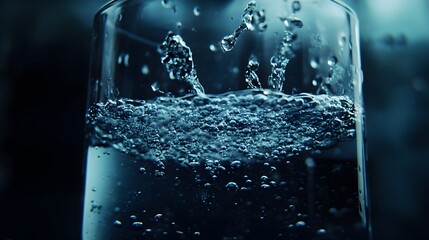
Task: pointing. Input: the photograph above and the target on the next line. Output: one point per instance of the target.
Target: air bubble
(264, 178)
(314, 83)
(117, 223)
(332, 60)
(235, 164)
(265, 186)
(179, 24)
(342, 40)
(158, 217)
(300, 224)
(232, 186)
(126, 60)
(314, 62)
(321, 231)
(168, 4)
(197, 11)
(137, 224)
(296, 6)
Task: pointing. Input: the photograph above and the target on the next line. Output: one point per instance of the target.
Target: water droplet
(145, 69)
(228, 43)
(232, 186)
(197, 11)
(332, 60)
(155, 86)
(213, 48)
(137, 224)
(321, 231)
(235, 164)
(314, 83)
(127, 60)
(296, 6)
(117, 223)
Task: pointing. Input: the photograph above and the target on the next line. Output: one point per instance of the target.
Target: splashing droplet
(145, 69)
(177, 59)
(251, 19)
(250, 73)
(213, 48)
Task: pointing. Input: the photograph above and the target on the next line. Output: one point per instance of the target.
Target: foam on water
(249, 125)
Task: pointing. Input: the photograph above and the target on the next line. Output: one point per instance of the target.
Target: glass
(225, 120)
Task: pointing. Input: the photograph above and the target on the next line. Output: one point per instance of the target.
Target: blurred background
(44, 66)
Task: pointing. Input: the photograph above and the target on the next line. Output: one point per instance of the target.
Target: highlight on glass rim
(225, 120)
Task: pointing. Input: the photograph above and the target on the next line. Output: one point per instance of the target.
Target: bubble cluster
(251, 124)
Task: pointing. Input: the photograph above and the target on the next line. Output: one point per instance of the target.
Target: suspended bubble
(117, 223)
(321, 231)
(292, 22)
(179, 24)
(169, 4)
(126, 60)
(300, 224)
(137, 224)
(145, 69)
(332, 60)
(314, 62)
(235, 164)
(158, 217)
(197, 11)
(296, 6)
(342, 40)
(232, 186)
(265, 186)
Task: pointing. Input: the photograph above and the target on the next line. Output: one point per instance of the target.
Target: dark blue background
(44, 65)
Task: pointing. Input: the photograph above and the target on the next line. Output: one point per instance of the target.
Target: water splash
(177, 59)
(250, 73)
(251, 19)
(284, 54)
